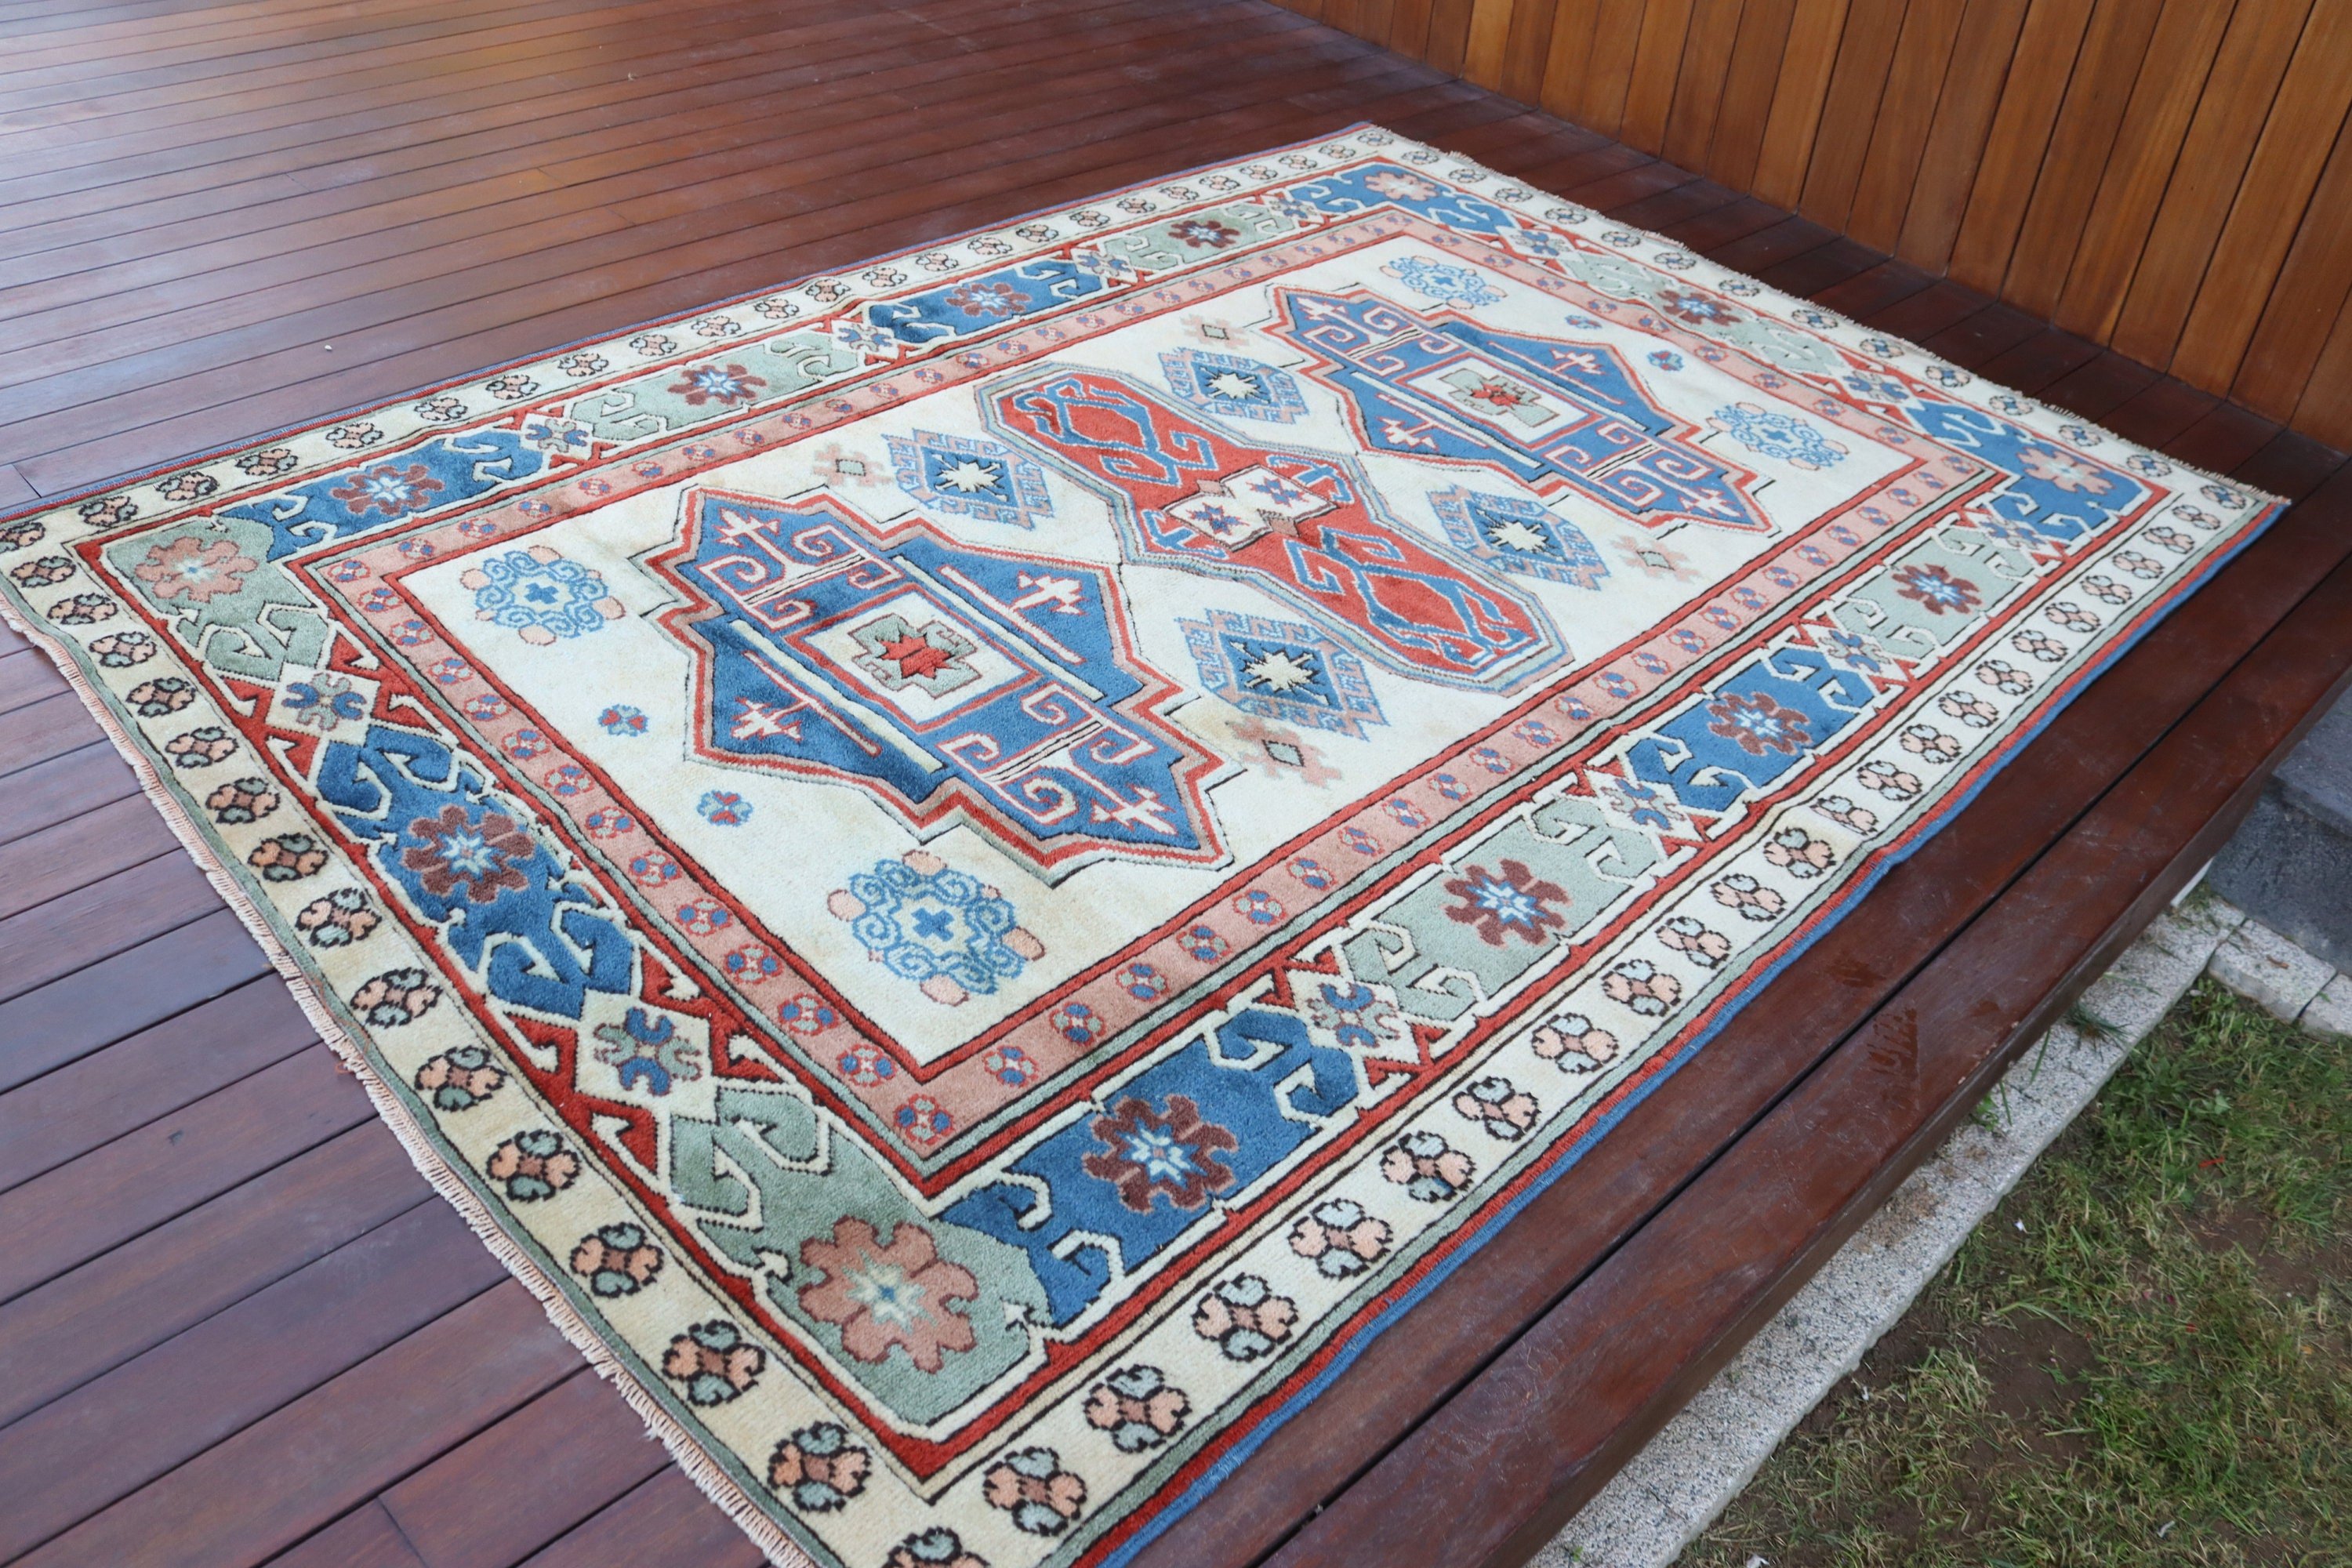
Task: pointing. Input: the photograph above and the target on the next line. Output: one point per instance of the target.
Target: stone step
(2290, 865)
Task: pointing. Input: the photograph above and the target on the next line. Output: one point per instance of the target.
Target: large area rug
(979, 870)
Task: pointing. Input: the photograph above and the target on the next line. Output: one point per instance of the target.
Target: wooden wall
(2171, 177)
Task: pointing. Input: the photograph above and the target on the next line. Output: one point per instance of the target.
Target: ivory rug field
(978, 869)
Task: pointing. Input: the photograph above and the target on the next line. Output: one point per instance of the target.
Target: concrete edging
(1692, 1470)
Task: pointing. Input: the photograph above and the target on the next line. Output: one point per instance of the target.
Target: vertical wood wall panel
(2139, 164)
(2213, 163)
(2326, 406)
(1567, 64)
(1915, 81)
(1806, 66)
(1982, 55)
(1616, 34)
(2171, 177)
(1865, 56)
(2313, 287)
(1749, 80)
(2020, 141)
(2273, 201)
(1657, 65)
(1698, 90)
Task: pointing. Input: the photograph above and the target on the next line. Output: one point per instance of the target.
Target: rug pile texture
(977, 870)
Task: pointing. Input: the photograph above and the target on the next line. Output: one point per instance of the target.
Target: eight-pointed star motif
(970, 476)
(1280, 669)
(1516, 533)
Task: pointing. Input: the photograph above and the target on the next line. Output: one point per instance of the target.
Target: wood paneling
(2169, 177)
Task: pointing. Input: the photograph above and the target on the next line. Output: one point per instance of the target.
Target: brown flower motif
(1145, 1152)
(121, 650)
(1137, 1408)
(245, 800)
(1937, 588)
(1031, 1484)
(1569, 1039)
(882, 1296)
(154, 698)
(458, 857)
(1427, 1166)
(1642, 986)
(267, 464)
(1699, 309)
(1204, 233)
(987, 299)
(338, 919)
(1845, 814)
(1757, 723)
(1799, 853)
(108, 511)
(396, 997)
(1889, 780)
(42, 571)
(818, 1467)
(938, 1547)
(1748, 897)
(725, 384)
(1687, 936)
(1517, 902)
(289, 857)
(196, 570)
(533, 1166)
(2064, 469)
(615, 1260)
(714, 1362)
(81, 609)
(388, 488)
(199, 747)
(459, 1078)
(1243, 1318)
(1926, 740)
(1969, 709)
(1499, 1106)
(1339, 1237)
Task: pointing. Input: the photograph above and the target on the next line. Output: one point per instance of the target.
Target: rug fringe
(705, 1472)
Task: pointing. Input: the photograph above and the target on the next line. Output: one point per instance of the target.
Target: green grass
(2142, 1358)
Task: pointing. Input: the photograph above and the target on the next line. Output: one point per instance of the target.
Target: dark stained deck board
(1799, 1183)
(197, 196)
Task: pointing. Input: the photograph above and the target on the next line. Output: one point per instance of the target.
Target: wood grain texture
(2171, 178)
(1806, 64)
(1748, 88)
(2213, 157)
(1983, 51)
(2304, 164)
(2019, 140)
(269, 1339)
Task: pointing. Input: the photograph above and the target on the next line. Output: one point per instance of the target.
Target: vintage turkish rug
(978, 868)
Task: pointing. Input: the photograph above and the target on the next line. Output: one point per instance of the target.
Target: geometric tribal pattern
(977, 869)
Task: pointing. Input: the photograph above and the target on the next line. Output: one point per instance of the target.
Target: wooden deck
(235, 1326)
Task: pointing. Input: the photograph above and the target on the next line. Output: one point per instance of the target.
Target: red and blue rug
(978, 869)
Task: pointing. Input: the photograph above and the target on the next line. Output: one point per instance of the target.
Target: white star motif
(1513, 534)
(1233, 384)
(1279, 669)
(969, 475)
